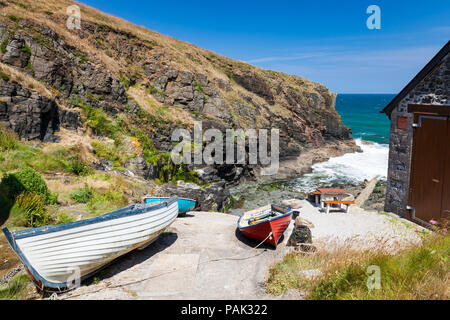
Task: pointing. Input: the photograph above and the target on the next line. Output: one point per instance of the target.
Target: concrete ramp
(365, 194)
(201, 256)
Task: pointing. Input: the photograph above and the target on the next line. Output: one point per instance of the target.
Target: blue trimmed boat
(58, 256)
(266, 224)
(184, 205)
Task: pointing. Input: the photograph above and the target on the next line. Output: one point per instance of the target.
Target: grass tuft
(420, 272)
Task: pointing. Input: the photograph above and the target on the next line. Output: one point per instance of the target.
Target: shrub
(30, 211)
(3, 46)
(26, 180)
(52, 197)
(99, 122)
(4, 76)
(78, 167)
(82, 195)
(106, 151)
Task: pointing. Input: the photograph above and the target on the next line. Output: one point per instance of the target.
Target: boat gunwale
(265, 221)
(10, 236)
(169, 198)
(117, 214)
(195, 201)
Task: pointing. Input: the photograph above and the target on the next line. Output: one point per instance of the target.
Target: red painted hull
(260, 231)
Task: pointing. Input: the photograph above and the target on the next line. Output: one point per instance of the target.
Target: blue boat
(184, 205)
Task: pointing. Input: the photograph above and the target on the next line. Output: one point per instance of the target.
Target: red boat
(266, 224)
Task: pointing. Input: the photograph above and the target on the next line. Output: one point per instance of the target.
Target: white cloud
(289, 58)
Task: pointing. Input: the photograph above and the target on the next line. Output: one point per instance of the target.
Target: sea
(361, 113)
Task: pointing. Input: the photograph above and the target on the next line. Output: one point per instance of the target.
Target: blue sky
(325, 41)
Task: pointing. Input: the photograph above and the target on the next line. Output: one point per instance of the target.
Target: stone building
(419, 151)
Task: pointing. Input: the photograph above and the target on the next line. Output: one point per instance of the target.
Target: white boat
(57, 256)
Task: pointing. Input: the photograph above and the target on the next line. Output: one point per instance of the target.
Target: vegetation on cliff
(108, 97)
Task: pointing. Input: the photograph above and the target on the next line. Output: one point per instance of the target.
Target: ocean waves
(349, 169)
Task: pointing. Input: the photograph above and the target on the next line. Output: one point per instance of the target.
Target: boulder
(213, 198)
(17, 53)
(292, 203)
(208, 174)
(299, 221)
(103, 165)
(27, 113)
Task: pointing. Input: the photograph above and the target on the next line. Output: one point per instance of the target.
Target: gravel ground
(360, 229)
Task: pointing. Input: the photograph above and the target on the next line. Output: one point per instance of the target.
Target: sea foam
(350, 168)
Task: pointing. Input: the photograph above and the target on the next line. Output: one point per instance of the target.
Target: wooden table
(346, 203)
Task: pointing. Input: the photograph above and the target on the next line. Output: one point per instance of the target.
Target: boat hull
(269, 231)
(184, 205)
(58, 256)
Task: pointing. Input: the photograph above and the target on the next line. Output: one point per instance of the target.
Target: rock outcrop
(28, 114)
(213, 198)
(155, 84)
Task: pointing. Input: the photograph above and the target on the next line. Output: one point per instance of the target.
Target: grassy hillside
(88, 109)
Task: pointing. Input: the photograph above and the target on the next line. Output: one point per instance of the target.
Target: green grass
(4, 76)
(198, 86)
(103, 202)
(83, 58)
(16, 288)
(63, 218)
(77, 167)
(13, 18)
(421, 272)
(113, 152)
(82, 195)
(18, 156)
(8, 139)
(29, 211)
(100, 122)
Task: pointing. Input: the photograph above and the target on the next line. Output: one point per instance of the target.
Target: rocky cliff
(112, 74)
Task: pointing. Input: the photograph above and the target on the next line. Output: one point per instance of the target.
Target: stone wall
(433, 89)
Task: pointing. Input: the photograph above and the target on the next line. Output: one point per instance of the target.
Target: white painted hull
(59, 256)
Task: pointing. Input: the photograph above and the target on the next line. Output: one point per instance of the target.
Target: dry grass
(418, 272)
(25, 80)
(182, 54)
(157, 109)
(176, 54)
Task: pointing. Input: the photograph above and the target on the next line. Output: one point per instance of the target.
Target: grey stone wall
(434, 89)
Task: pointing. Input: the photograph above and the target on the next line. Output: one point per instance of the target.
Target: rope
(169, 272)
(235, 258)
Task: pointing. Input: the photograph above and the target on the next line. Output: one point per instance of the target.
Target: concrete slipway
(203, 256)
